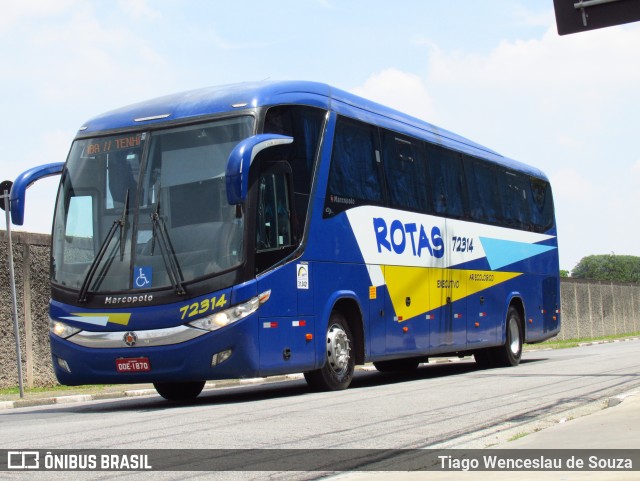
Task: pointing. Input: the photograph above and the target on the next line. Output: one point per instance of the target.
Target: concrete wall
(593, 308)
(589, 309)
(31, 269)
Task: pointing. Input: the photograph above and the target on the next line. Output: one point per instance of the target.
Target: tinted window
(514, 199)
(541, 204)
(484, 191)
(405, 170)
(446, 181)
(305, 125)
(354, 178)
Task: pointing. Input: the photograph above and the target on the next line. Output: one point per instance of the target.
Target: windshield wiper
(93, 268)
(166, 250)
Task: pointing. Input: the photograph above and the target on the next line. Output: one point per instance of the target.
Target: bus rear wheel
(337, 372)
(510, 353)
(179, 391)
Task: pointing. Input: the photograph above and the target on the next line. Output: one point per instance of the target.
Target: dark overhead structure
(574, 16)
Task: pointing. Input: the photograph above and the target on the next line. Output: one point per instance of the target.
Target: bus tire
(337, 372)
(484, 358)
(510, 353)
(179, 391)
(396, 365)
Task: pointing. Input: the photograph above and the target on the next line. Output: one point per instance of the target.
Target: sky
(494, 71)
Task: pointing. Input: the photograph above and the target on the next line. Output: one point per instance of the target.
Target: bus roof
(209, 101)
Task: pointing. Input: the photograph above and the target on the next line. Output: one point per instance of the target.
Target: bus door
(448, 325)
(286, 320)
(446, 286)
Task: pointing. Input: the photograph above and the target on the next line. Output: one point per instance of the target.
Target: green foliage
(564, 273)
(609, 267)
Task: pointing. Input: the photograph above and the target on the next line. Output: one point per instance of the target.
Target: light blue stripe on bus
(502, 252)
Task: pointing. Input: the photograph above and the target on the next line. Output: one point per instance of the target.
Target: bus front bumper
(178, 354)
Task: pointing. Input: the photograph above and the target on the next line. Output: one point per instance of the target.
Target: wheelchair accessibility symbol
(142, 277)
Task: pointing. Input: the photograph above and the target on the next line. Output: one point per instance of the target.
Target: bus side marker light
(220, 357)
(63, 364)
(555, 318)
(477, 324)
(530, 321)
(405, 329)
(309, 337)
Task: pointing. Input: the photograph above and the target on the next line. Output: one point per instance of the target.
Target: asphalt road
(439, 405)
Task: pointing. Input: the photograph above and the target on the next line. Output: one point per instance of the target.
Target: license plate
(136, 364)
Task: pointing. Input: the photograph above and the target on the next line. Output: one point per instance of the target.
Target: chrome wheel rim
(514, 335)
(338, 349)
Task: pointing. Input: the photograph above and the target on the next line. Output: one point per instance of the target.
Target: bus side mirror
(22, 183)
(239, 163)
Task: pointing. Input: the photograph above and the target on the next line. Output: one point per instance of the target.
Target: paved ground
(616, 427)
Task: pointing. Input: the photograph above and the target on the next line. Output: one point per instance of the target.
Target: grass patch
(517, 436)
(560, 344)
(57, 387)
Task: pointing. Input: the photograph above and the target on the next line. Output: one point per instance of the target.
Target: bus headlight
(231, 315)
(61, 329)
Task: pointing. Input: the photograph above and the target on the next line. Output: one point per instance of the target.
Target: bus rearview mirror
(22, 183)
(240, 160)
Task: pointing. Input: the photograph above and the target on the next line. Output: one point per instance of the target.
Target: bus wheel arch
(343, 349)
(350, 309)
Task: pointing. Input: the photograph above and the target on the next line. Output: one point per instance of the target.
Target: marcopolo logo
(399, 237)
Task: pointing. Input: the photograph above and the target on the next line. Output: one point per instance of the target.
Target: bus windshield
(148, 210)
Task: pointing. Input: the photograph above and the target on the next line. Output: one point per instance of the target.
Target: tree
(608, 267)
(564, 273)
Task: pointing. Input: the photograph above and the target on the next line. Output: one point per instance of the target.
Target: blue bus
(267, 228)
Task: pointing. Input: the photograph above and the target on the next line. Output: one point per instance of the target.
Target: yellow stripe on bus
(417, 290)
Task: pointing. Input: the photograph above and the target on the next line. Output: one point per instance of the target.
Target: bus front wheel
(337, 372)
(179, 391)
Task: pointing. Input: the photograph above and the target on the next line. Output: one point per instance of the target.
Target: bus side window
(515, 203)
(355, 173)
(484, 197)
(405, 169)
(305, 125)
(273, 230)
(446, 181)
(541, 205)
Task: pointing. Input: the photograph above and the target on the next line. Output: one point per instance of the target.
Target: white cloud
(87, 54)
(400, 90)
(15, 11)
(139, 9)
